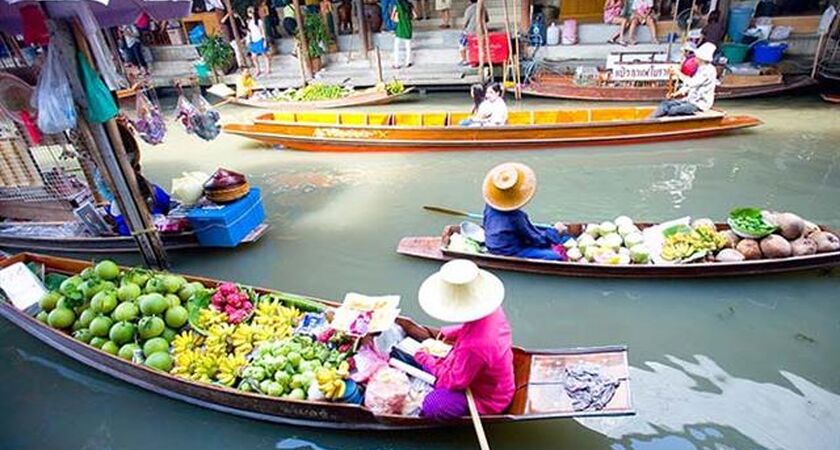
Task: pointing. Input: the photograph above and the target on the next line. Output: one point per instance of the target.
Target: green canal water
(716, 364)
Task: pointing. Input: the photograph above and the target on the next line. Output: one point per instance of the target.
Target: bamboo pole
(480, 30)
(243, 62)
(674, 26)
(476, 421)
(379, 77)
(517, 62)
(303, 52)
(507, 32)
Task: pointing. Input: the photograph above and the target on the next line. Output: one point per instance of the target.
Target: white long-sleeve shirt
(700, 88)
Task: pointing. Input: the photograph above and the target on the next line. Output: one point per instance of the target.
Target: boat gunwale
(365, 418)
(358, 99)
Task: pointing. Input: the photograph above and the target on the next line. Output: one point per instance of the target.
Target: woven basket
(228, 195)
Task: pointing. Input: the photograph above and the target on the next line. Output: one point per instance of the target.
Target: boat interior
(453, 119)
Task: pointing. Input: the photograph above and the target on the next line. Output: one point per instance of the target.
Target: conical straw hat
(461, 292)
(509, 186)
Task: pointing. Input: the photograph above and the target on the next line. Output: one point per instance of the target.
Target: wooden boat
(831, 98)
(732, 87)
(538, 395)
(51, 237)
(361, 98)
(436, 131)
(435, 247)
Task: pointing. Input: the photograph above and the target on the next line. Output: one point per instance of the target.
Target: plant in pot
(217, 54)
(317, 38)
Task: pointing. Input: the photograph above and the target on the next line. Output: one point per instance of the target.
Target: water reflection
(700, 405)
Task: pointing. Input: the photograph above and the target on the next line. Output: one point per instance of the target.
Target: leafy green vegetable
(195, 304)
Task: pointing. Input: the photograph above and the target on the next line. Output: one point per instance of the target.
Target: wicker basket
(228, 195)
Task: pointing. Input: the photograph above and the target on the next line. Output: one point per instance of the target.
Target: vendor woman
(481, 359)
(508, 231)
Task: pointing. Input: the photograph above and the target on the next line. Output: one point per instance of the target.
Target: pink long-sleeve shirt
(481, 360)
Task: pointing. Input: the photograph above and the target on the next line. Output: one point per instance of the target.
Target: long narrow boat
(733, 87)
(831, 98)
(539, 394)
(361, 98)
(437, 131)
(57, 237)
(435, 248)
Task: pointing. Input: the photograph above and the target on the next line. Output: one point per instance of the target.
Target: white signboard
(641, 72)
(22, 287)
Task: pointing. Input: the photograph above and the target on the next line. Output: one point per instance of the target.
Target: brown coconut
(729, 255)
(790, 225)
(826, 242)
(804, 246)
(749, 248)
(775, 246)
(810, 227)
(732, 239)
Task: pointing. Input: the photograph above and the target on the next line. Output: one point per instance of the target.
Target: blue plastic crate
(226, 225)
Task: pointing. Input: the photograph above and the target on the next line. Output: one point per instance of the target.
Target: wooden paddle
(476, 420)
(455, 212)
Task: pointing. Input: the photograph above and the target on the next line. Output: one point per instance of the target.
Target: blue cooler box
(226, 225)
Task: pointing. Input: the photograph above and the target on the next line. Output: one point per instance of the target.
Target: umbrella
(109, 13)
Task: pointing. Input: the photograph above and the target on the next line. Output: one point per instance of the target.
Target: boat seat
(318, 117)
(520, 118)
(408, 119)
(456, 118)
(284, 116)
(379, 119)
(435, 119)
(353, 118)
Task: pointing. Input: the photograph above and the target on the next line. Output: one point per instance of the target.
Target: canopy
(109, 13)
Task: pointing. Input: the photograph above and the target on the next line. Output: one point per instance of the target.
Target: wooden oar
(459, 213)
(476, 420)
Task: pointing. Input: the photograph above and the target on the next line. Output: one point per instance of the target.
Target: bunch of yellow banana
(330, 383)
(208, 317)
(273, 321)
(229, 368)
(685, 244)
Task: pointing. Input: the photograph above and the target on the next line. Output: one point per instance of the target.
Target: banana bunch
(683, 245)
(273, 321)
(395, 87)
(208, 317)
(331, 380)
(230, 368)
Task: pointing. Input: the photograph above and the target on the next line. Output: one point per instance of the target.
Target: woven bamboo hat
(509, 186)
(14, 96)
(461, 292)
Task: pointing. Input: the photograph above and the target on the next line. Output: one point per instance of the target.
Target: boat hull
(563, 88)
(432, 247)
(311, 413)
(336, 137)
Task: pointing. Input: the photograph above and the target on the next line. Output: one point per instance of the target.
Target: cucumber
(302, 303)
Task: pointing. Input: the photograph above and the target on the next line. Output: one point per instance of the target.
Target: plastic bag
(101, 105)
(149, 124)
(388, 339)
(387, 391)
(52, 97)
(189, 188)
(199, 117)
(367, 362)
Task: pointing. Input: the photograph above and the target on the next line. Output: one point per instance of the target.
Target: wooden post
(517, 69)
(674, 26)
(364, 32)
(127, 193)
(379, 77)
(236, 39)
(301, 66)
(479, 35)
(476, 421)
(525, 14)
(303, 52)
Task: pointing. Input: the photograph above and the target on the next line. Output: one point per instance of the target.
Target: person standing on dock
(698, 89)
(402, 15)
(470, 23)
(508, 231)
(481, 359)
(256, 39)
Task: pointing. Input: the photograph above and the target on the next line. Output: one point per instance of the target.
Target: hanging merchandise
(99, 49)
(198, 116)
(149, 124)
(34, 25)
(101, 105)
(52, 98)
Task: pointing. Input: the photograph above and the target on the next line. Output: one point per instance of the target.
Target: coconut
(623, 220)
(640, 254)
(775, 246)
(570, 243)
(791, 226)
(634, 239)
(586, 240)
(574, 254)
(810, 227)
(732, 238)
(749, 248)
(625, 229)
(729, 255)
(826, 242)
(704, 222)
(612, 240)
(804, 246)
(607, 227)
(592, 230)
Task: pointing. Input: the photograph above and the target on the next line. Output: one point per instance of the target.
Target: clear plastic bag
(150, 125)
(387, 391)
(52, 97)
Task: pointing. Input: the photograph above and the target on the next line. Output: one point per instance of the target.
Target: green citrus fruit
(107, 270)
(160, 361)
(43, 316)
(126, 312)
(154, 345)
(98, 342)
(128, 292)
(87, 317)
(83, 335)
(49, 300)
(169, 334)
(121, 332)
(127, 351)
(176, 317)
(152, 304)
(150, 327)
(100, 326)
(61, 318)
(111, 347)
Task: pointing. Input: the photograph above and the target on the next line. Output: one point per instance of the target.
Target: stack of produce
(685, 243)
(133, 314)
(314, 92)
(395, 87)
(226, 186)
(757, 234)
(618, 242)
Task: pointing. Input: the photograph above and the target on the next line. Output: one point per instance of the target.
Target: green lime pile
(134, 314)
(287, 368)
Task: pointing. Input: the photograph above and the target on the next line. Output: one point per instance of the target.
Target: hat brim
(461, 303)
(515, 197)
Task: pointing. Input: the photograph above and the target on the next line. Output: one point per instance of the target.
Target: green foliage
(316, 34)
(216, 53)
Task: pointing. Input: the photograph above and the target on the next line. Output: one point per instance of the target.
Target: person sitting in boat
(477, 95)
(508, 231)
(481, 359)
(245, 83)
(698, 90)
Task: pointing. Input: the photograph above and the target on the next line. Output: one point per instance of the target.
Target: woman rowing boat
(481, 359)
(508, 231)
